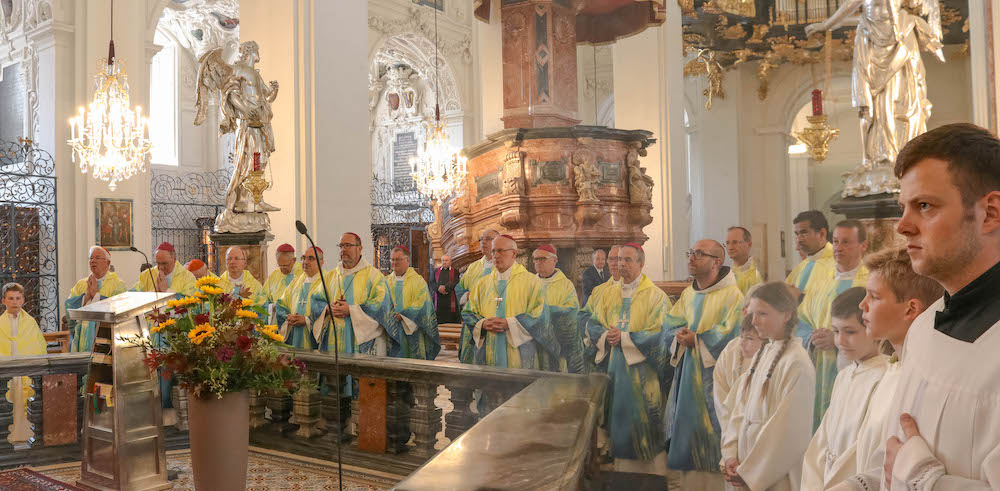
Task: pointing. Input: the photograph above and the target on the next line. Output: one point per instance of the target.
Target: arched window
(163, 131)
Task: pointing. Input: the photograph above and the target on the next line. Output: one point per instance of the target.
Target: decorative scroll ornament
(110, 138)
(817, 136)
(256, 184)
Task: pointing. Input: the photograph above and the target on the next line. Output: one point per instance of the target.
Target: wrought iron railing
(178, 201)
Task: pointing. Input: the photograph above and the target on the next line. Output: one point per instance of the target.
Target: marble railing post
(34, 408)
(397, 418)
(281, 410)
(425, 419)
(178, 397)
(6, 416)
(330, 399)
(258, 408)
(461, 418)
(306, 407)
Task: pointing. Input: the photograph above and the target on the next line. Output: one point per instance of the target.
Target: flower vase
(220, 441)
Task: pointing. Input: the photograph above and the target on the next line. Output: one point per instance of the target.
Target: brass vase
(220, 441)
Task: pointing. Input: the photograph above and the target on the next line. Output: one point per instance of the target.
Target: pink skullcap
(354, 235)
(316, 248)
(403, 248)
(507, 236)
(166, 246)
(547, 248)
(634, 245)
(286, 248)
(194, 265)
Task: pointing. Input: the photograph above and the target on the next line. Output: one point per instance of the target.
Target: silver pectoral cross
(498, 300)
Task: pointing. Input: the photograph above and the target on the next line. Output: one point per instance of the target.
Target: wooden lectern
(123, 446)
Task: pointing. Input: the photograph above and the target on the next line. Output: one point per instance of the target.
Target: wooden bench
(450, 335)
(673, 289)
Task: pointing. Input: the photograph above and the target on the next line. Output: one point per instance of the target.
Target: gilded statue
(586, 174)
(889, 81)
(245, 107)
(640, 185)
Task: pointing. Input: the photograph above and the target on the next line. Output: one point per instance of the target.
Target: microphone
(150, 270)
(301, 227)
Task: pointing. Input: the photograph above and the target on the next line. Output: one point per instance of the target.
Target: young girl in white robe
(831, 455)
(771, 422)
(733, 362)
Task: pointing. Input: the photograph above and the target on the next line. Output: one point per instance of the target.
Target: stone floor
(267, 470)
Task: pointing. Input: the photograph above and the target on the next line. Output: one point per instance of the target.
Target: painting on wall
(114, 223)
(438, 4)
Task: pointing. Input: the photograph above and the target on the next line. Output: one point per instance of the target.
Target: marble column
(649, 93)
(984, 43)
(539, 64)
(321, 164)
(487, 46)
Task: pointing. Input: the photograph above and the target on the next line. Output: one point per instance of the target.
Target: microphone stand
(301, 227)
(150, 269)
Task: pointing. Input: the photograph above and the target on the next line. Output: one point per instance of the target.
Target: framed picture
(114, 223)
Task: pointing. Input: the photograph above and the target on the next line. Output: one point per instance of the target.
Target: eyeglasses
(308, 258)
(700, 255)
(344, 246)
(540, 259)
(498, 251)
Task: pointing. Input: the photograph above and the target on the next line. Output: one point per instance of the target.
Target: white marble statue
(245, 104)
(889, 82)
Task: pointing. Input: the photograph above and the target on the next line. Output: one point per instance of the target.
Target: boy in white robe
(19, 336)
(830, 457)
(771, 422)
(895, 296)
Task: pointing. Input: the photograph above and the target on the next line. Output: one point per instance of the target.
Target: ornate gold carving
(759, 31)
(745, 8)
(640, 185)
(706, 63)
(764, 73)
(734, 32)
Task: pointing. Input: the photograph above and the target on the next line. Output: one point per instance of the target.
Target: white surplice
(870, 449)
(769, 432)
(728, 368)
(952, 390)
(832, 454)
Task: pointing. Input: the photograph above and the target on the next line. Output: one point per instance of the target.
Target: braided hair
(780, 297)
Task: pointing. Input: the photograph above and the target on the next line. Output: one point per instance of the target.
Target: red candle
(817, 102)
(256, 157)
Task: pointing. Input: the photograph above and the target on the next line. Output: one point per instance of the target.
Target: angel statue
(245, 107)
(889, 81)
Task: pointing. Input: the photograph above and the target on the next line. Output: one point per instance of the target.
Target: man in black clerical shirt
(596, 274)
(942, 419)
(442, 285)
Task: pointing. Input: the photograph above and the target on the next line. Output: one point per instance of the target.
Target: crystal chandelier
(439, 171)
(109, 137)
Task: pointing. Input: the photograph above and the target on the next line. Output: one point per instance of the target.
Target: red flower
(225, 354)
(201, 319)
(225, 298)
(244, 343)
(300, 365)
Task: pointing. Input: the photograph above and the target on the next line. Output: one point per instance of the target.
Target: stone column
(984, 41)
(648, 82)
(321, 164)
(539, 64)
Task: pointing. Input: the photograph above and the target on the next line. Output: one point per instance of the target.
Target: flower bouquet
(216, 347)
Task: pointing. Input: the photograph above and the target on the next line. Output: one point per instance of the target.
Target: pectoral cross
(498, 300)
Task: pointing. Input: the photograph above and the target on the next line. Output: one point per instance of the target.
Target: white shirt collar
(487, 264)
(629, 288)
(846, 275)
(309, 279)
(14, 318)
(398, 277)
(550, 278)
(237, 279)
(362, 263)
(746, 266)
(506, 274)
(814, 257)
(102, 277)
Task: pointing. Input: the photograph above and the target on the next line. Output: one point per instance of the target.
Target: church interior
(554, 231)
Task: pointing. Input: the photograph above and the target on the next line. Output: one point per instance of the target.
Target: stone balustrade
(390, 409)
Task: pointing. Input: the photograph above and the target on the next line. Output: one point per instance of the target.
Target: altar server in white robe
(771, 422)
(895, 296)
(733, 362)
(944, 419)
(830, 457)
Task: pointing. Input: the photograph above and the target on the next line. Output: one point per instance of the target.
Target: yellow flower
(275, 336)
(246, 313)
(271, 327)
(200, 296)
(207, 280)
(200, 332)
(246, 302)
(191, 300)
(173, 303)
(201, 337)
(162, 325)
(211, 290)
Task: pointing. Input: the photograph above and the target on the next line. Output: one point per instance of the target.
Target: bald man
(236, 280)
(700, 325)
(477, 270)
(167, 276)
(100, 284)
(198, 268)
(504, 313)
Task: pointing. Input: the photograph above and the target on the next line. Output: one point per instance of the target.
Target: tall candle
(817, 102)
